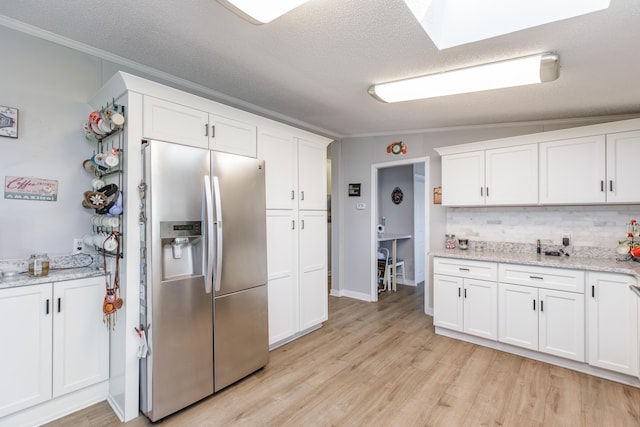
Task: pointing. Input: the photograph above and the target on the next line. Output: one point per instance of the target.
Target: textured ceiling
(314, 65)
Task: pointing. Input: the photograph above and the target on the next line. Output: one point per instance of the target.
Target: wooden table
(393, 238)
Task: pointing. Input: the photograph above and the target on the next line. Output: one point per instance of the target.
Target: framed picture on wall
(354, 190)
(8, 121)
(437, 195)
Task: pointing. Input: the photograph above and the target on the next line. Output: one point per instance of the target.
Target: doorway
(388, 180)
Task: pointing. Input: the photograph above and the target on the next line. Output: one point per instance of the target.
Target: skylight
(456, 22)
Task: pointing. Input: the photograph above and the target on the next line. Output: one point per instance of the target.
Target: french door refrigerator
(204, 293)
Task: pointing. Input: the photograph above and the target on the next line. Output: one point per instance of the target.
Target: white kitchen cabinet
(312, 175)
(501, 176)
(81, 339)
(462, 301)
(168, 121)
(26, 336)
(54, 341)
(612, 311)
(171, 122)
(282, 267)
(542, 309)
(232, 136)
(623, 154)
(296, 231)
(279, 150)
(313, 286)
(573, 171)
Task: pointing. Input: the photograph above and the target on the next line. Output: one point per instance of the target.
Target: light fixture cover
(261, 11)
(522, 71)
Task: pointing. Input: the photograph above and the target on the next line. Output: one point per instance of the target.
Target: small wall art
(354, 190)
(29, 188)
(8, 121)
(437, 195)
(397, 148)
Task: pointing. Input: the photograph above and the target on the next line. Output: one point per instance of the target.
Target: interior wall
(50, 85)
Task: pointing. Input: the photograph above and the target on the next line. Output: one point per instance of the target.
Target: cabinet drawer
(542, 277)
(466, 268)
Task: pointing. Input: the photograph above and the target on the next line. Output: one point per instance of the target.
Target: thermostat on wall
(360, 206)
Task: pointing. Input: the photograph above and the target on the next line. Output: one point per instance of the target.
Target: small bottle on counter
(450, 241)
(38, 265)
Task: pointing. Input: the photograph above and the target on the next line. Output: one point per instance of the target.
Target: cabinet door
(280, 154)
(447, 302)
(312, 175)
(463, 179)
(561, 324)
(167, 121)
(512, 175)
(81, 339)
(232, 136)
(613, 323)
(623, 154)
(573, 171)
(282, 256)
(313, 268)
(481, 308)
(25, 334)
(518, 315)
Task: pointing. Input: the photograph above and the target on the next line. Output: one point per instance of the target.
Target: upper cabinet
(296, 171)
(172, 122)
(573, 171)
(587, 165)
(623, 155)
(501, 176)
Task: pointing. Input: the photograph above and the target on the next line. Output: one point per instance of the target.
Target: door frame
(375, 167)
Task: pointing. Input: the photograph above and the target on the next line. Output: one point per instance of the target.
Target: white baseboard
(294, 337)
(356, 295)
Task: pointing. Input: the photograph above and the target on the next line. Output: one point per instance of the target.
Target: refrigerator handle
(207, 206)
(218, 223)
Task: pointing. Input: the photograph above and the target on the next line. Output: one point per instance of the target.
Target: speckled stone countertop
(13, 272)
(575, 262)
(23, 279)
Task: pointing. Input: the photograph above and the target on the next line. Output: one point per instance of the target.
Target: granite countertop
(23, 279)
(609, 265)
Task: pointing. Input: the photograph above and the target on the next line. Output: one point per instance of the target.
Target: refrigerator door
(179, 370)
(239, 197)
(241, 335)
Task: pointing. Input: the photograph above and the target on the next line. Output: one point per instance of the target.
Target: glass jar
(450, 241)
(38, 265)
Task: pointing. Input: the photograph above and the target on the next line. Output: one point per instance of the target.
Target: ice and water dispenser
(182, 249)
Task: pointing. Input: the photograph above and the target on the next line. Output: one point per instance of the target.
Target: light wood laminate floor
(382, 365)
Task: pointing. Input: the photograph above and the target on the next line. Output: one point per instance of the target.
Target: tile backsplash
(590, 226)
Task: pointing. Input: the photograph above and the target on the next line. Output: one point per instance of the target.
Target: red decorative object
(397, 148)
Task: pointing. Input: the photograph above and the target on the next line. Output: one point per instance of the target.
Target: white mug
(110, 244)
(96, 184)
(111, 158)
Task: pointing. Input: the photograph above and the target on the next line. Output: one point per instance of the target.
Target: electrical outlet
(78, 246)
(566, 239)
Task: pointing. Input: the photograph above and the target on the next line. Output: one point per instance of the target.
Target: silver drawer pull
(536, 277)
(463, 269)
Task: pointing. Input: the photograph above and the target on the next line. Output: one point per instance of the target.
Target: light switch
(360, 206)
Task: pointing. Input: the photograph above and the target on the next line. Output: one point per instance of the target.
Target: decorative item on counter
(450, 241)
(397, 148)
(463, 244)
(630, 247)
(38, 265)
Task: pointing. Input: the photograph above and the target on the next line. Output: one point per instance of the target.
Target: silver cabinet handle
(293, 195)
(293, 224)
(213, 131)
(463, 269)
(611, 185)
(302, 195)
(536, 277)
(601, 185)
(206, 130)
(302, 224)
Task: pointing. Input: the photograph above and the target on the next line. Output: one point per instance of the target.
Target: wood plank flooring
(380, 364)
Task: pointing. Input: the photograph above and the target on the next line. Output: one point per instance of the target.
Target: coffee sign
(29, 188)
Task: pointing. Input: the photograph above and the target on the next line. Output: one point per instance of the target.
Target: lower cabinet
(53, 341)
(297, 272)
(464, 303)
(613, 323)
(543, 320)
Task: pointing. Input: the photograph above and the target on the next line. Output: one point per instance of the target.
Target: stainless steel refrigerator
(205, 293)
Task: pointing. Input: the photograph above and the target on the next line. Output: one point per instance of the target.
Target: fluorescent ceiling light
(456, 22)
(513, 72)
(261, 11)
